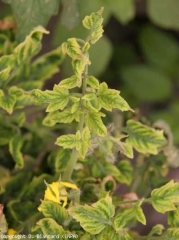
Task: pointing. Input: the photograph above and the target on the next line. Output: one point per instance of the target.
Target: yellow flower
(56, 192)
(11, 232)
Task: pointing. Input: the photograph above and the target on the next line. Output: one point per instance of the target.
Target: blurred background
(138, 55)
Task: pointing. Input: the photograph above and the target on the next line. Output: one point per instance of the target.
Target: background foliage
(138, 54)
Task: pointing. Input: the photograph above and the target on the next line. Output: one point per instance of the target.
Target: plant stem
(75, 154)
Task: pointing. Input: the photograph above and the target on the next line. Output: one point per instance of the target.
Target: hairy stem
(75, 154)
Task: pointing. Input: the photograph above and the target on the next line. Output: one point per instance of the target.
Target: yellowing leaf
(94, 122)
(93, 82)
(73, 49)
(52, 192)
(94, 23)
(67, 141)
(11, 232)
(95, 218)
(164, 198)
(143, 138)
(71, 82)
(69, 185)
(110, 98)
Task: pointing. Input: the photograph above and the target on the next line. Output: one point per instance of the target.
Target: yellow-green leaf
(96, 217)
(71, 82)
(50, 228)
(143, 138)
(30, 46)
(164, 198)
(73, 49)
(94, 23)
(85, 142)
(67, 141)
(94, 122)
(110, 98)
(93, 82)
(53, 210)
(57, 99)
(7, 102)
(15, 146)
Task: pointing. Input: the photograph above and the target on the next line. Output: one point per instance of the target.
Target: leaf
(125, 148)
(94, 23)
(173, 232)
(71, 82)
(67, 116)
(15, 146)
(157, 229)
(67, 141)
(96, 217)
(94, 122)
(109, 99)
(30, 46)
(46, 65)
(108, 233)
(30, 14)
(164, 13)
(153, 43)
(146, 83)
(143, 138)
(6, 65)
(7, 102)
(73, 49)
(123, 10)
(50, 228)
(126, 170)
(164, 198)
(133, 213)
(92, 81)
(173, 218)
(85, 142)
(57, 99)
(70, 13)
(53, 210)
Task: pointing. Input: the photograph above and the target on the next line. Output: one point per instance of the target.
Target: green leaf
(108, 233)
(109, 99)
(7, 102)
(60, 117)
(53, 210)
(164, 198)
(164, 13)
(93, 82)
(73, 49)
(173, 232)
(67, 141)
(71, 82)
(30, 14)
(70, 13)
(15, 146)
(153, 43)
(143, 138)
(85, 142)
(57, 99)
(30, 46)
(123, 10)
(46, 65)
(96, 217)
(50, 228)
(133, 213)
(126, 170)
(7, 133)
(157, 229)
(6, 65)
(146, 83)
(173, 218)
(94, 122)
(94, 23)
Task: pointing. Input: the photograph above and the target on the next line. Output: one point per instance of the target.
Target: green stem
(75, 154)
